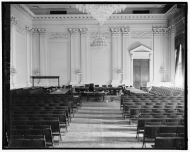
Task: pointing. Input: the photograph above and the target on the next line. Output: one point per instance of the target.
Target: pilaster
(35, 52)
(75, 64)
(115, 65)
(43, 55)
(126, 56)
(13, 50)
(172, 53)
(84, 55)
(156, 49)
(28, 55)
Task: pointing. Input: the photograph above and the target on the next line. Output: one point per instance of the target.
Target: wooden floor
(100, 125)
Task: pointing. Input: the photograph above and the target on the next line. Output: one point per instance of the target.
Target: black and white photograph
(94, 75)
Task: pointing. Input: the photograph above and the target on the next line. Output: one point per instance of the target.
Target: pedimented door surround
(142, 52)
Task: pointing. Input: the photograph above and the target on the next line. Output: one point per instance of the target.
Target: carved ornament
(58, 35)
(125, 31)
(83, 31)
(141, 34)
(157, 31)
(115, 31)
(42, 32)
(73, 31)
(104, 34)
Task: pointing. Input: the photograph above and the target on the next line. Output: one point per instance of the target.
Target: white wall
(61, 44)
(20, 47)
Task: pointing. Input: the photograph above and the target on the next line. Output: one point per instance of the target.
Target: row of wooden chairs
(28, 143)
(166, 91)
(169, 141)
(47, 132)
(150, 131)
(45, 113)
(156, 121)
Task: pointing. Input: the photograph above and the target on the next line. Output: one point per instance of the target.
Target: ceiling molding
(24, 10)
(172, 11)
(112, 17)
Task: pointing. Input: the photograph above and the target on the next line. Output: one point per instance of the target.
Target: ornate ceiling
(44, 9)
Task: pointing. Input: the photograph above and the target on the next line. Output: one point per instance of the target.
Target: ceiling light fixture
(101, 12)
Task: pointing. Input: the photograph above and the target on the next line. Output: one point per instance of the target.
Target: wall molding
(112, 17)
(171, 11)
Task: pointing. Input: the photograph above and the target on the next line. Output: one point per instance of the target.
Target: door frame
(142, 52)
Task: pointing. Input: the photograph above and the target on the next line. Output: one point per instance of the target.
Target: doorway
(140, 72)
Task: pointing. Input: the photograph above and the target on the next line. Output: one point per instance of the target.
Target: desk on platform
(95, 93)
(44, 77)
(60, 91)
(136, 91)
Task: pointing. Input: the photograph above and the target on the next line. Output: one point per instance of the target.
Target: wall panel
(20, 60)
(58, 61)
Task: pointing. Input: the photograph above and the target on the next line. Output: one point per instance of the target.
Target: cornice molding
(58, 35)
(112, 17)
(73, 31)
(171, 11)
(25, 10)
(83, 31)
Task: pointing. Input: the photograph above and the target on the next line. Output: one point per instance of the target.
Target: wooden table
(60, 91)
(136, 91)
(44, 77)
(94, 93)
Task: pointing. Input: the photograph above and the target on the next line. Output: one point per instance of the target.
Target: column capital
(125, 31)
(165, 31)
(42, 32)
(171, 29)
(73, 31)
(83, 31)
(114, 31)
(28, 29)
(13, 20)
(34, 31)
(157, 30)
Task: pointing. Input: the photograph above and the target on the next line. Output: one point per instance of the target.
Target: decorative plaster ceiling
(44, 9)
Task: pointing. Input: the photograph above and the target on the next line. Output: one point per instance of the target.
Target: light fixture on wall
(101, 12)
(37, 73)
(162, 72)
(99, 42)
(78, 71)
(120, 71)
(13, 71)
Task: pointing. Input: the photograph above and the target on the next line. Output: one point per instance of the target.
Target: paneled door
(140, 72)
